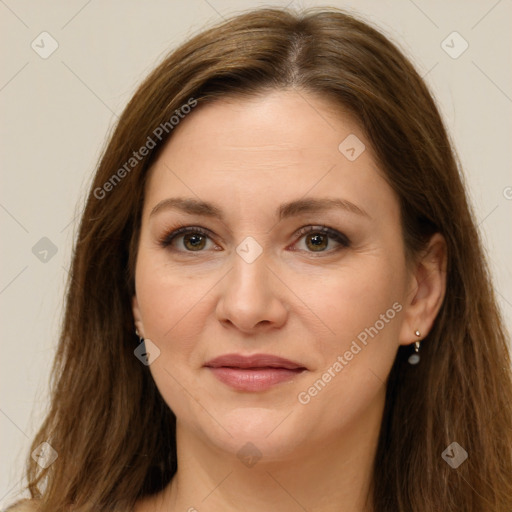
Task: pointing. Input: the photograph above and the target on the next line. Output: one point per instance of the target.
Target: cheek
(178, 311)
(335, 306)
(166, 293)
(168, 302)
(170, 306)
(362, 308)
(355, 298)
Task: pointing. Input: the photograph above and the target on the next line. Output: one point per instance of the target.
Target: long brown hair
(114, 434)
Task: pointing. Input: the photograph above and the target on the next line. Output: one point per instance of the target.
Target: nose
(252, 297)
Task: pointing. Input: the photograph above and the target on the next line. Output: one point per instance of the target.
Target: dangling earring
(415, 358)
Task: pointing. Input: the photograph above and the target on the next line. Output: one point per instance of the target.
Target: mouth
(253, 373)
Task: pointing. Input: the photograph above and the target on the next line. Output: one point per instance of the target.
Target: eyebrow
(193, 206)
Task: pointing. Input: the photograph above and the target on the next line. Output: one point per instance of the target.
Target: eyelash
(340, 238)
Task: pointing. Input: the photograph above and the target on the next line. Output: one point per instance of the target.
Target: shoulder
(23, 506)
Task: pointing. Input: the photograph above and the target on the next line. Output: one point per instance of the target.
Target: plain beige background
(58, 110)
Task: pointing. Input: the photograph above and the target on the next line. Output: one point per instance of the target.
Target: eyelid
(167, 239)
(338, 236)
(169, 235)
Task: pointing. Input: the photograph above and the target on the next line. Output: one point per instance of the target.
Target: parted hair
(113, 432)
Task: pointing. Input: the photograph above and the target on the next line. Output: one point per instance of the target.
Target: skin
(248, 157)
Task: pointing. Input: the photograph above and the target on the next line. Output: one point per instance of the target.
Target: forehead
(278, 121)
(271, 148)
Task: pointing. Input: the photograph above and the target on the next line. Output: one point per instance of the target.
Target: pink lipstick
(257, 372)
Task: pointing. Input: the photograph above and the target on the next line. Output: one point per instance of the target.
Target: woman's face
(293, 250)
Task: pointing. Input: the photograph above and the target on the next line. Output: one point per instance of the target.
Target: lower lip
(254, 380)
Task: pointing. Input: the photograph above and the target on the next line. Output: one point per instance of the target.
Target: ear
(426, 291)
(137, 316)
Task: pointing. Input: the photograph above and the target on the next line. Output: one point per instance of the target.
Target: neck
(334, 476)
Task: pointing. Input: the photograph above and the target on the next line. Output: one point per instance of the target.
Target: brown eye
(186, 239)
(319, 239)
(317, 242)
(194, 241)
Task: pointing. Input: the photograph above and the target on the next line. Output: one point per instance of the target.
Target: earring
(415, 358)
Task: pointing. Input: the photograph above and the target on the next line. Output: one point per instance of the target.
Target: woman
(278, 298)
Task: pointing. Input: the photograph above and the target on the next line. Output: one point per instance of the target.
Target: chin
(261, 432)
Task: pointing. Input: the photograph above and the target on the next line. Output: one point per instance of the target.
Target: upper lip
(253, 361)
